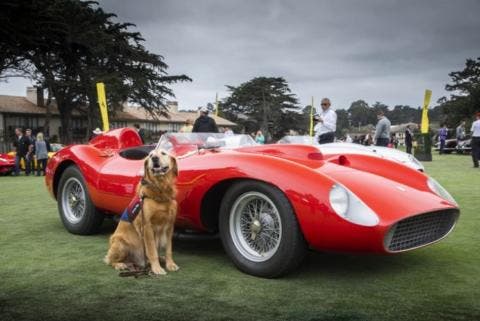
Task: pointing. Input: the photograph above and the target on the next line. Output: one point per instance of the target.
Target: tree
(71, 45)
(342, 122)
(464, 100)
(263, 100)
(361, 114)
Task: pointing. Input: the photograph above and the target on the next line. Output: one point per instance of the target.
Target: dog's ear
(145, 166)
(174, 165)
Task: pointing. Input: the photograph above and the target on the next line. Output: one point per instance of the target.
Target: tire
(77, 212)
(245, 237)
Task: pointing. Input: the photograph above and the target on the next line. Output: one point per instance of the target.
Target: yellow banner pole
(216, 104)
(426, 102)
(102, 103)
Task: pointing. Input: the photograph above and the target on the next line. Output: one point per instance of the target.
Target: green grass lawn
(48, 274)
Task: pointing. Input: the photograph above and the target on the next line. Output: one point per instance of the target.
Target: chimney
(172, 106)
(35, 96)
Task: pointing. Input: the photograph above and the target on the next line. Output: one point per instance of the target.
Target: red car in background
(269, 203)
(7, 164)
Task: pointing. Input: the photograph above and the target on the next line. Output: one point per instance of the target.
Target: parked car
(464, 146)
(269, 203)
(7, 164)
(351, 148)
(450, 146)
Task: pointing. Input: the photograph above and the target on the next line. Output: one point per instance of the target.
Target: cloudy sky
(376, 50)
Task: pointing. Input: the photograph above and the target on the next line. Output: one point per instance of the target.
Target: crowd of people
(30, 150)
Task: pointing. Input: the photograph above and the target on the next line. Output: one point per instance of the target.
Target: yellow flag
(102, 102)
(216, 104)
(311, 119)
(426, 102)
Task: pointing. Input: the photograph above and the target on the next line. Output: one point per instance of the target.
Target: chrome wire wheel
(73, 200)
(255, 226)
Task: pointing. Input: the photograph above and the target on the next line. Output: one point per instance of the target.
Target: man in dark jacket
(21, 144)
(204, 123)
(30, 166)
(408, 139)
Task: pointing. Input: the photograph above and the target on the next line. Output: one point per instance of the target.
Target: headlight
(440, 191)
(348, 206)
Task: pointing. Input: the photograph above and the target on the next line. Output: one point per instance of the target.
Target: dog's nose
(155, 159)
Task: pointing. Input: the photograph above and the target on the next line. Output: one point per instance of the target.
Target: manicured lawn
(48, 274)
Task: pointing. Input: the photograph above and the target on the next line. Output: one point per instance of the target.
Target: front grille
(420, 230)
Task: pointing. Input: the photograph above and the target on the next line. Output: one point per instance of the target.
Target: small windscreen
(171, 141)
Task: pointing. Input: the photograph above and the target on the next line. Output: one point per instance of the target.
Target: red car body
(7, 164)
(397, 194)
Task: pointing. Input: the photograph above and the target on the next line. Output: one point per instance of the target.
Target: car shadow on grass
(315, 263)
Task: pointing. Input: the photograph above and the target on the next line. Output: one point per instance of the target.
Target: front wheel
(77, 211)
(259, 230)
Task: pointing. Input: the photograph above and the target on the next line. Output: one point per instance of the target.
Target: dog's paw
(172, 267)
(157, 270)
(120, 266)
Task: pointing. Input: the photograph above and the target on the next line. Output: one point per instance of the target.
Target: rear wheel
(77, 212)
(259, 230)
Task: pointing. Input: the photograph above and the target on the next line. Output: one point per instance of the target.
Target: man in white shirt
(327, 124)
(475, 142)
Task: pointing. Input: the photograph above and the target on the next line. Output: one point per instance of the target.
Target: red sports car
(269, 203)
(7, 164)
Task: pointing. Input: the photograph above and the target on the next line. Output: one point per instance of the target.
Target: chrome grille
(420, 230)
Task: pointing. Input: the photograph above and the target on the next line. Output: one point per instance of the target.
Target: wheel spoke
(255, 226)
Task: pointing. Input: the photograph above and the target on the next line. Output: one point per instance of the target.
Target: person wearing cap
(188, 127)
(204, 123)
(475, 142)
(96, 132)
(326, 123)
(382, 130)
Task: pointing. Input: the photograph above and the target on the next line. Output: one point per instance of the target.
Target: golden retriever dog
(147, 225)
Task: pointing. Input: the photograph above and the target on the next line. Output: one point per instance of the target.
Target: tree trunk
(66, 135)
(264, 125)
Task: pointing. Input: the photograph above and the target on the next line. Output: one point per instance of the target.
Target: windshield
(307, 140)
(182, 142)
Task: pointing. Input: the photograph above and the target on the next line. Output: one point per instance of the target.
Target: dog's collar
(155, 189)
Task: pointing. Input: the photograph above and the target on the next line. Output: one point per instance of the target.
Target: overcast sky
(377, 50)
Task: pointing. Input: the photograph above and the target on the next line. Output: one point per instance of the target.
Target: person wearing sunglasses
(326, 123)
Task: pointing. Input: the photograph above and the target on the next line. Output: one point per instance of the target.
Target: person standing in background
(140, 132)
(41, 153)
(30, 165)
(460, 131)
(327, 123)
(259, 138)
(187, 128)
(382, 130)
(476, 140)
(442, 137)
(204, 123)
(20, 144)
(408, 139)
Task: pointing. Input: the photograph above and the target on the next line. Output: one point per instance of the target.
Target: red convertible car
(269, 203)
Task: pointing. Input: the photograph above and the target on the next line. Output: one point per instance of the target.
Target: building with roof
(30, 111)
